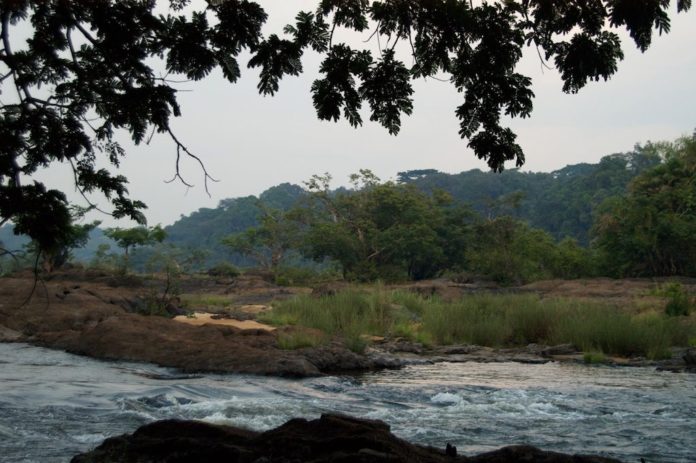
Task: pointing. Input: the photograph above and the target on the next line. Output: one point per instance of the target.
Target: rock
(8, 335)
(331, 438)
(96, 320)
(334, 358)
(561, 349)
(529, 454)
(458, 350)
(174, 309)
(450, 450)
(402, 345)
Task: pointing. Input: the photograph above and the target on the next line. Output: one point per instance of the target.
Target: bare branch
(373, 32)
(37, 279)
(179, 148)
(333, 28)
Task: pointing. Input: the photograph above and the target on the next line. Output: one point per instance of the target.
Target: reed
(487, 319)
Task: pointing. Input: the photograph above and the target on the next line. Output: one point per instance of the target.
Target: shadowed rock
(331, 438)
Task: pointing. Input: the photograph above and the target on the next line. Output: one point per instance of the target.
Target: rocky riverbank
(99, 320)
(101, 317)
(331, 438)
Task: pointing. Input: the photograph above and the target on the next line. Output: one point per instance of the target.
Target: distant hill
(561, 202)
(206, 227)
(12, 242)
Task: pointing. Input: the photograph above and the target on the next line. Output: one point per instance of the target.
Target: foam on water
(54, 405)
(446, 398)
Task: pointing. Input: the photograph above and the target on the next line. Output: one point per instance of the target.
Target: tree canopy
(89, 69)
(650, 230)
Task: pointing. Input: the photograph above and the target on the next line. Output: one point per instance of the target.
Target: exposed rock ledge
(331, 438)
(96, 320)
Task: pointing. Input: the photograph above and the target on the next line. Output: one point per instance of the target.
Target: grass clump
(678, 302)
(348, 314)
(224, 269)
(298, 339)
(594, 357)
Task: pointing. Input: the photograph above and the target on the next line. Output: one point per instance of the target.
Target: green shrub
(678, 302)
(224, 269)
(659, 353)
(302, 276)
(594, 357)
(404, 329)
(356, 343)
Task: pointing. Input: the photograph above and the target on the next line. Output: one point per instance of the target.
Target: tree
(87, 71)
(269, 243)
(650, 230)
(129, 238)
(76, 237)
(384, 230)
(510, 251)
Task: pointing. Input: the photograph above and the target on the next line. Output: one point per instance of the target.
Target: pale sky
(251, 143)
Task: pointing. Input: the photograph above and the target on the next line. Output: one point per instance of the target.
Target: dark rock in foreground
(332, 438)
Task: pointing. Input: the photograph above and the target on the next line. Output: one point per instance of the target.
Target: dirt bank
(96, 319)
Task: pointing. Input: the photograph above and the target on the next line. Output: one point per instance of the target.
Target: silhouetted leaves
(87, 70)
(337, 90)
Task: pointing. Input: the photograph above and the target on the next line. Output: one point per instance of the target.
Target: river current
(54, 405)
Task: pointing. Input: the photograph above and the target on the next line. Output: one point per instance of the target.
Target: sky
(249, 142)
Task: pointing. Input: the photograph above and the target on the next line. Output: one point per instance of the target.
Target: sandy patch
(206, 318)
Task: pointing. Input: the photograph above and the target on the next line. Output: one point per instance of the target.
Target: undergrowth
(487, 320)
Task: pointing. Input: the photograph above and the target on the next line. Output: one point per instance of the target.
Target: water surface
(54, 405)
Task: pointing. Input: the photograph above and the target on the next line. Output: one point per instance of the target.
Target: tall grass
(349, 314)
(488, 320)
(290, 340)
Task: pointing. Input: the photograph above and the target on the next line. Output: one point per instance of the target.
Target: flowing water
(54, 405)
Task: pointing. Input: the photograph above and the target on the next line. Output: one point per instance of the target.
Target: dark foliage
(86, 71)
(650, 230)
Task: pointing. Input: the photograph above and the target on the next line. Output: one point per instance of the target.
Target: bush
(594, 357)
(678, 302)
(303, 276)
(224, 269)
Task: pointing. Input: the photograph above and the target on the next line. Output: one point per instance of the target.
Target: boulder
(560, 349)
(331, 438)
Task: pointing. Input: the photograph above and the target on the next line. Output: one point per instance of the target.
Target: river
(54, 405)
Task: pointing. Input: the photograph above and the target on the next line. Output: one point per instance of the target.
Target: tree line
(396, 231)
(634, 216)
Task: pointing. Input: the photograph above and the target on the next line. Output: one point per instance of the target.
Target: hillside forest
(631, 214)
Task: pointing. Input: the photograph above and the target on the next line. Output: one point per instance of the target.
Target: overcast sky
(249, 142)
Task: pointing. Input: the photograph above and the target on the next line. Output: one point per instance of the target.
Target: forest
(631, 214)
